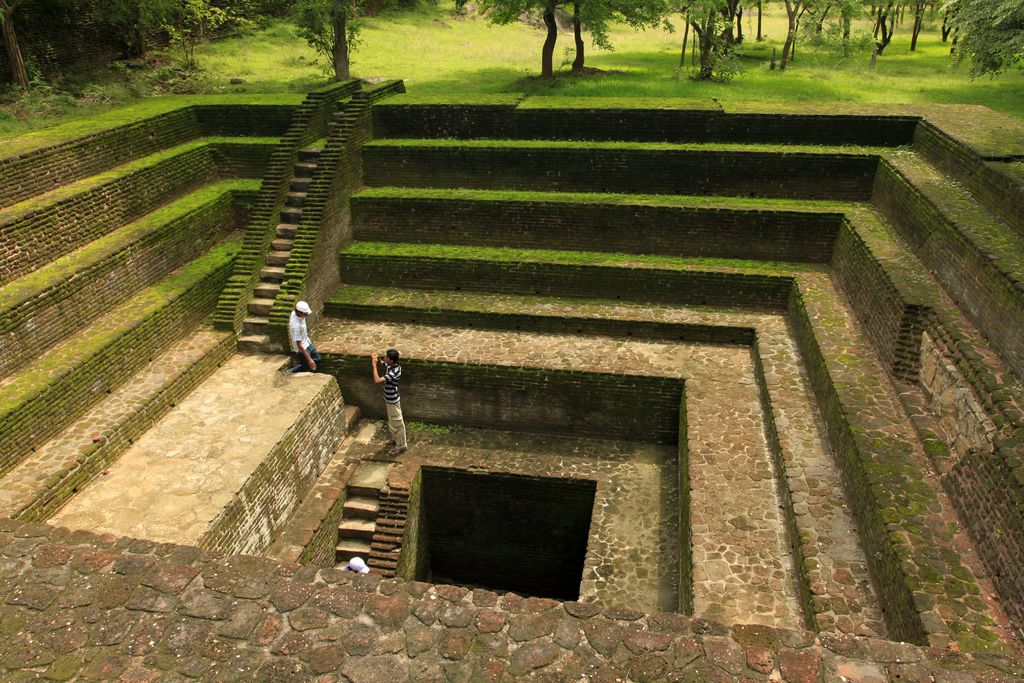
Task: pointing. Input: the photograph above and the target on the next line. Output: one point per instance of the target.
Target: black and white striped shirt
(391, 378)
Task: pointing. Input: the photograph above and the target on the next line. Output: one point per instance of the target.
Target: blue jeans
(300, 364)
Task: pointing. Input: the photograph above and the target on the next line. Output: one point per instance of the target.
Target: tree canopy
(991, 33)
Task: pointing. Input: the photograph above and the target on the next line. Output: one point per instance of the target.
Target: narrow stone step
(267, 290)
(286, 230)
(282, 244)
(300, 184)
(278, 258)
(309, 154)
(347, 549)
(272, 274)
(261, 306)
(360, 508)
(253, 343)
(296, 199)
(291, 215)
(305, 169)
(360, 529)
(255, 325)
(360, 491)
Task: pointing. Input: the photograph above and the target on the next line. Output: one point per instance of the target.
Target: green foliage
(328, 26)
(991, 33)
(190, 23)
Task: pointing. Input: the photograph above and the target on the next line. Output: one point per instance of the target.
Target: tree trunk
(790, 36)
(547, 68)
(577, 30)
(339, 50)
(947, 27)
(760, 36)
(706, 64)
(686, 36)
(18, 74)
(918, 21)
(739, 25)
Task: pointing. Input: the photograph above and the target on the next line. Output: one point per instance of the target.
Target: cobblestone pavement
(25, 482)
(174, 480)
(743, 566)
(95, 607)
(633, 550)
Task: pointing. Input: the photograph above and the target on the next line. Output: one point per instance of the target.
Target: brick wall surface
(396, 120)
(253, 518)
(845, 176)
(699, 288)
(793, 236)
(524, 399)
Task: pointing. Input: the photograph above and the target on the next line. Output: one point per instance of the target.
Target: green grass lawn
(437, 53)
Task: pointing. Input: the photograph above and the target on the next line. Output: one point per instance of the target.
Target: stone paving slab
(24, 483)
(76, 604)
(175, 480)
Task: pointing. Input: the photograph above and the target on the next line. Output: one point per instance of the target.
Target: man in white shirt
(303, 351)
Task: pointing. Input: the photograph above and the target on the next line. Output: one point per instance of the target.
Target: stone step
(300, 184)
(309, 154)
(278, 258)
(253, 343)
(255, 325)
(359, 529)
(282, 244)
(291, 215)
(358, 507)
(305, 169)
(296, 199)
(286, 230)
(348, 549)
(272, 274)
(261, 306)
(360, 491)
(267, 290)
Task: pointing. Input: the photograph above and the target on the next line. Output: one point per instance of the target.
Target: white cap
(303, 307)
(356, 564)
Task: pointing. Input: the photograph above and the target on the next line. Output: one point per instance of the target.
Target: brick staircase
(390, 528)
(255, 328)
(358, 523)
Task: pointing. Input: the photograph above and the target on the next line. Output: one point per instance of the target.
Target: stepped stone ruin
(695, 392)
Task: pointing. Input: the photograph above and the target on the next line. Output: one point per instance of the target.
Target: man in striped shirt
(392, 401)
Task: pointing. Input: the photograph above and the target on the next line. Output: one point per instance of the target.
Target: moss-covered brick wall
(892, 320)
(883, 551)
(998, 191)
(245, 120)
(414, 555)
(62, 485)
(980, 283)
(651, 285)
(575, 119)
(241, 157)
(36, 232)
(40, 170)
(794, 236)
(56, 301)
(250, 522)
(38, 404)
(522, 399)
(563, 168)
(685, 588)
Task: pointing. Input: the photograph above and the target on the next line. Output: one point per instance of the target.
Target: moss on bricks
(50, 392)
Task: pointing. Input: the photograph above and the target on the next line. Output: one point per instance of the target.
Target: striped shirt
(391, 378)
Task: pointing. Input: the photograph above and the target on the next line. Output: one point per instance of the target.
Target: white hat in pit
(356, 564)
(303, 307)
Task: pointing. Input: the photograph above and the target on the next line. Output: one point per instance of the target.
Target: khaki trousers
(396, 424)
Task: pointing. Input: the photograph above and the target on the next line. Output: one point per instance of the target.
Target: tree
(885, 25)
(136, 19)
(331, 27)
(920, 6)
(794, 10)
(990, 33)
(19, 76)
(705, 18)
(192, 22)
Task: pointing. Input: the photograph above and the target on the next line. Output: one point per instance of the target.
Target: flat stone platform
(175, 480)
